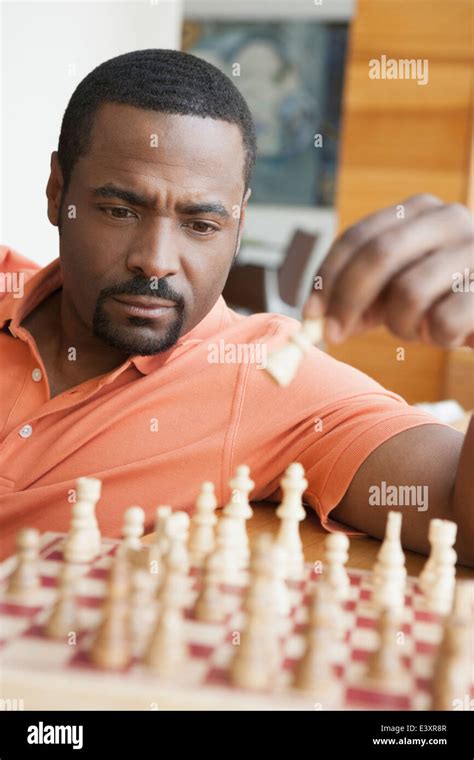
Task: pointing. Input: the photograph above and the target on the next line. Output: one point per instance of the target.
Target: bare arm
(432, 458)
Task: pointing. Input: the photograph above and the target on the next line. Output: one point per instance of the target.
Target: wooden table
(362, 552)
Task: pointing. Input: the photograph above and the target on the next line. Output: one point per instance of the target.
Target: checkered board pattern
(50, 674)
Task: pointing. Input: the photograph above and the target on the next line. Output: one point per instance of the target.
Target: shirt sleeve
(331, 418)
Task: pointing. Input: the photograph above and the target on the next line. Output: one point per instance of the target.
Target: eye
(201, 228)
(118, 212)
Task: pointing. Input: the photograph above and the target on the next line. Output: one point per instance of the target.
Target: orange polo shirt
(155, 427)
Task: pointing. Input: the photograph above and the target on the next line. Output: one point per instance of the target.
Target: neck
(71, 353)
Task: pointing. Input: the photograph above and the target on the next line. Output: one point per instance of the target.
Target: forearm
(429, 458)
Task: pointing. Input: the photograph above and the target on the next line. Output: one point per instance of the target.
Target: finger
(451, 320)
(344, 248)
(378, 261)
(411, 293)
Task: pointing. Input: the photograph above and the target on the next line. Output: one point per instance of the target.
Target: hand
(409, 267)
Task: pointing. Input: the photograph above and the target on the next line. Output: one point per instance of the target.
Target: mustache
(141, 286)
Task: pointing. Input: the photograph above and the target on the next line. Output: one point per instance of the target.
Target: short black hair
(168, 81)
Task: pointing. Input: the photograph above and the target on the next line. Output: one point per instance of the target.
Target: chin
(137, 340)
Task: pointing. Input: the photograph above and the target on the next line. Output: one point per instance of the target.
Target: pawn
(291, 512)
(89, 490)
(112, 645)
(166, 648)
(453, 666)
(335, 557)
(440, 589)
(173, 585)
(391, 552)
(25, 577)
(63, 619)
(256, 660)
(385, 670)
(142, 609)
(327, 609)
(389, 570)
(118, 581)
(314, 672)
(209, 603)
(177, 532)
(133, 529)
(82, 543)
(268, 567)
(225, 555)
(425, 579)
(239, 510)
(201, 541)
(160, 545)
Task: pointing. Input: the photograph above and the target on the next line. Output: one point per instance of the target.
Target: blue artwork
(291, 74)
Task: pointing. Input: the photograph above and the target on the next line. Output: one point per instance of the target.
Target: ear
(54, 190)
(243, 209)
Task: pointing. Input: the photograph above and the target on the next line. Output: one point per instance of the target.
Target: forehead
(189, 151)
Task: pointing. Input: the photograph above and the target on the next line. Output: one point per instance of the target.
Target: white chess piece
(89, 489)
(167, 648)
(440, 590)
(384, 667)
(389, 575)
(201, 541)
(426, 575)
(133, 528)
(25, 577)
(210, 604)
(177, 533)
(452, 676)
(283, 364)
(225, 556)
(159, 546)
(268, 567)
(82, 544)
(314, 672)
(291, 512)
(239, 510)
(257, 659)
(63, 617)
(336, 554)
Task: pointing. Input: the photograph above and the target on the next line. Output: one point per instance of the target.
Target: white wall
(47, 48)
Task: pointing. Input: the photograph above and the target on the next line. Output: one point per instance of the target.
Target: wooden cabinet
(401, 138)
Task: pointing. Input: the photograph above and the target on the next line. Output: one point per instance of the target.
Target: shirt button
(37, 375)
(26, 431)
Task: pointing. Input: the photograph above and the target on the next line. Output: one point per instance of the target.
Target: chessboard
(58, 673)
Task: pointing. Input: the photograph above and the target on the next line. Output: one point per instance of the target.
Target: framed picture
(291, 73)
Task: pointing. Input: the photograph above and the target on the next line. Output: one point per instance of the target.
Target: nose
(155, 254)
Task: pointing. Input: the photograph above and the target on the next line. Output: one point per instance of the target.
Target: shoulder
(265, 326)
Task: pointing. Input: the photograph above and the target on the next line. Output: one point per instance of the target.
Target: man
(107, 361)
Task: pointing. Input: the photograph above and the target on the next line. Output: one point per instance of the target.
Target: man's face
(149, 224)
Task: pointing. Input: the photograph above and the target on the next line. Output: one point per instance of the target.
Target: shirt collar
(47, 280)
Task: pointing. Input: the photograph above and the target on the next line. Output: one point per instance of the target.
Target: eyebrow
(136, 199)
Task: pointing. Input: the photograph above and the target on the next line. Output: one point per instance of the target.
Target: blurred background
(333, 144)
